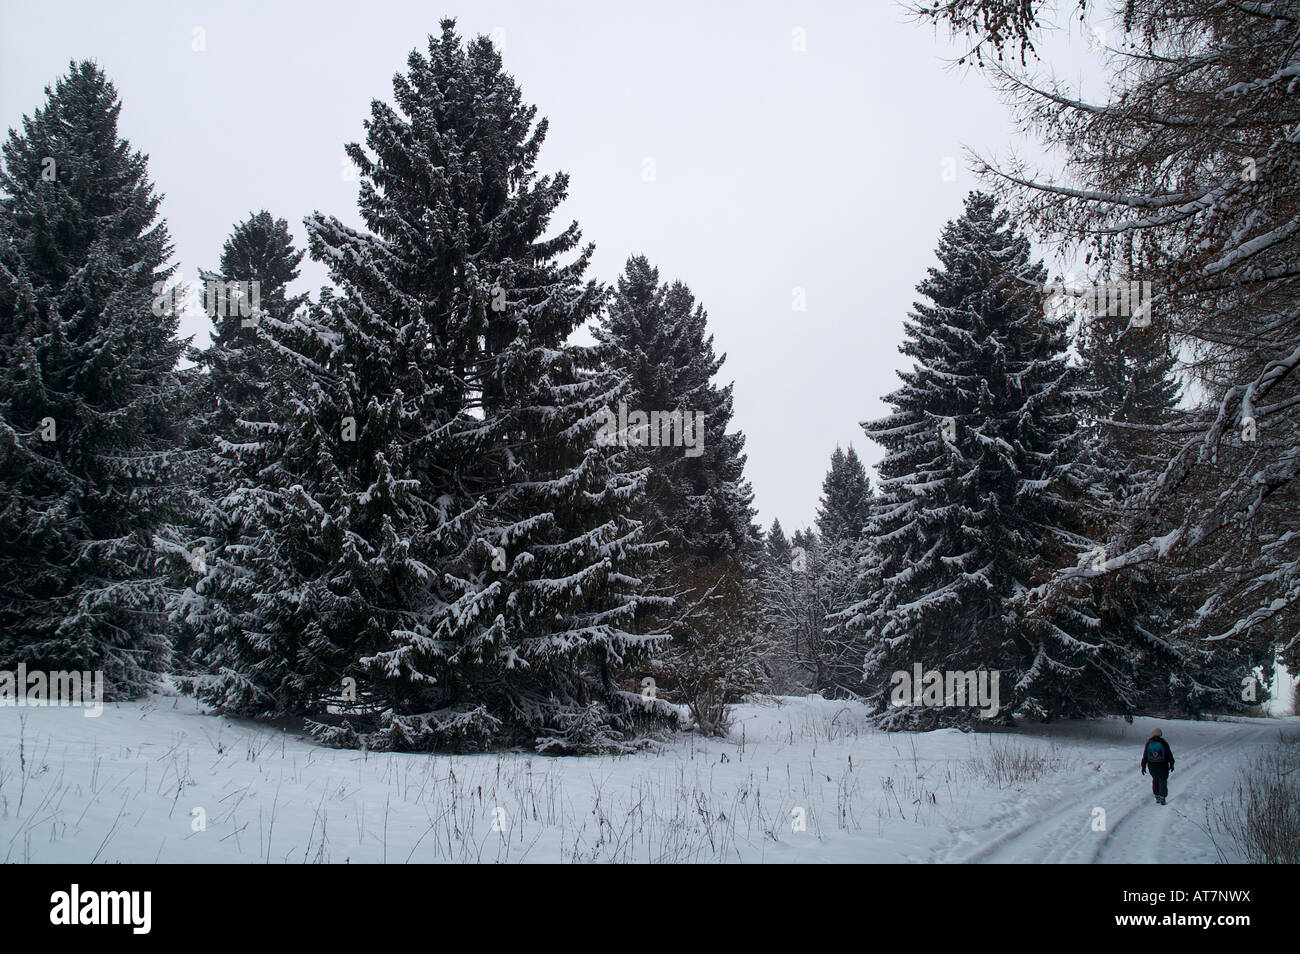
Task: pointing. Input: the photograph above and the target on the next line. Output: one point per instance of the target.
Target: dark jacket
(1167, 764)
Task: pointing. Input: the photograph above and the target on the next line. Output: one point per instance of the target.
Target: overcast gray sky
(775, 168)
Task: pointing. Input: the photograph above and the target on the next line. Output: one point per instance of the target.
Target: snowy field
(800, 780)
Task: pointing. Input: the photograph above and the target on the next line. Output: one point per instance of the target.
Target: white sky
(775, 169)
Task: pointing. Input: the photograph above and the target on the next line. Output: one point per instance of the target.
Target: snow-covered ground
(160, 780)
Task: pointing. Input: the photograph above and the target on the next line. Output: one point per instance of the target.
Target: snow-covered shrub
(448, 730)
(582, 730)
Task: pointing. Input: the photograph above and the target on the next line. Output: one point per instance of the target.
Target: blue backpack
(1155, 751)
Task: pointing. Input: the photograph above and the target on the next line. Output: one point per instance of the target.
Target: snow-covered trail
(1147, 832)
(1113, 817)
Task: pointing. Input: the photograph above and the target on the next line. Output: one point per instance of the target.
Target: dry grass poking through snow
(1004, 762)
(1260, 820)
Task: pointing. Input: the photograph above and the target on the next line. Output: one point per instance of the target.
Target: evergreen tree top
(71, 185)
(449, 193)
(656, 335)
(778, 547)
(260, 249)
(846, 498)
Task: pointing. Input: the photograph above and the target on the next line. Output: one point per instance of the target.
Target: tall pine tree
(656, 334)
(697, 500)
(447, 559)
(88, 394)
(978, 496)
(846, 498)
(777, 546)
(834, 655)
(239, 381)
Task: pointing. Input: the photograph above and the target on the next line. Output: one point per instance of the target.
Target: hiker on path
(1159, 758)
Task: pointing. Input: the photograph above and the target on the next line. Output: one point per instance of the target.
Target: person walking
(1159, 758)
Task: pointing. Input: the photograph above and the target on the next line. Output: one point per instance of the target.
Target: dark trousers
(1159, 780)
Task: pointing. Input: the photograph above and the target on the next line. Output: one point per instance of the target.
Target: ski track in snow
(1137, 830)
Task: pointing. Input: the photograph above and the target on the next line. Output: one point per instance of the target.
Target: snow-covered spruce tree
(443, 530)
(777, 595)
(845, 505)
(835, 654)
(292, 603)
(242, 380)
(88, 394)
(238, 381)
(697, 498)
(814, 580)
(975, 502)
(777, 551)
(697, 501)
